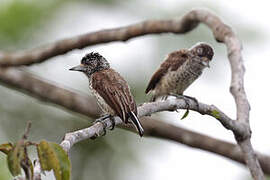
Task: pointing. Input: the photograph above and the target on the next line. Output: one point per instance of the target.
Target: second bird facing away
(110, 89)
(179, 70)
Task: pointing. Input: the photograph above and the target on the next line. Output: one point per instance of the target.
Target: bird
(178, 71)
(110, 89)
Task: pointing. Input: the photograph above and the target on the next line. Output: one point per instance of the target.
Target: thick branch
(48, 92)
(41, 54)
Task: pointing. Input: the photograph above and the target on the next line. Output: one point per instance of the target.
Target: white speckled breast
(178, 81)
(101, 102)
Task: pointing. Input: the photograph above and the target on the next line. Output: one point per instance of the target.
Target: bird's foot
(105, 117)
(101, 120)
(186, 99)
(113, 122)
(194, 99)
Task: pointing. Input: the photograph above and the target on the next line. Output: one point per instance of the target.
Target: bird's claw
(113, 122)
(187, 100)
(94, 137)
(194, 99)
(101, 120)
(103, 132)
(104, 125)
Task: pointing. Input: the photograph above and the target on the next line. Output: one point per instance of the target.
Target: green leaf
(44, 154)
(185, 115)
(63, 159)
(15, 156)
(6, 148)
(53, 157)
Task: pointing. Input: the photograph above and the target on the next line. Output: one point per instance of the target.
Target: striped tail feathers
(136, 123)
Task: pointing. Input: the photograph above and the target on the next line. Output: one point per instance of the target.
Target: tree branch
(223, 33)
(40, 54)
(147, 109)
(33, 86)
(188, 22)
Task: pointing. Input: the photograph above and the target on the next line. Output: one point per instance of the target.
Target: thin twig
(27, 130)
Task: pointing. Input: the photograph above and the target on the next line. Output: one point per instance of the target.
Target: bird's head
(91, 63)
(204, 51)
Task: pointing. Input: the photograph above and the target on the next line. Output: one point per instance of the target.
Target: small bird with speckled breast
(179, 70)
(110, 89)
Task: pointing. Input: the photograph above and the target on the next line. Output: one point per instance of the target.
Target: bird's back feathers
(115, 91)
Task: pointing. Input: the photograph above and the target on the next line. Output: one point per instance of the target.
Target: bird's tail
(135, 121)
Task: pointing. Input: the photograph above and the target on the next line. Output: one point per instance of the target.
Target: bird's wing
(115, 91)
(173, 61)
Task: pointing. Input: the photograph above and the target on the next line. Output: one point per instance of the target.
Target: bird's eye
(200, 51)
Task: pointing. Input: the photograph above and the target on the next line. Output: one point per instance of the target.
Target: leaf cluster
(50, 155)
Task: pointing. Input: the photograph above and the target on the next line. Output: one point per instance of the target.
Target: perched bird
(110, 89)
(179, 70)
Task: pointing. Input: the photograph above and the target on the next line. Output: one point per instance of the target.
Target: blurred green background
(25, 24)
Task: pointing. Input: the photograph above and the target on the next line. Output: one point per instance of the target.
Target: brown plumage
(179, 70)
(110, 89)
(115, 91)
(173, 61)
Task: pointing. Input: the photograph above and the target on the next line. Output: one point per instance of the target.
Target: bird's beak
(78, 68)
(206, 64)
